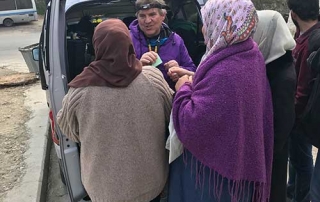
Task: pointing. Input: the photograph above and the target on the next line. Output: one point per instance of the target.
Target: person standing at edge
(314, 64)
(153, 40)
(304, 15)
(276, 43)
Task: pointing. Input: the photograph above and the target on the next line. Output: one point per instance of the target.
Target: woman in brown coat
(118, 111)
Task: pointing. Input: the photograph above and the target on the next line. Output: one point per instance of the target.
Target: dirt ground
(13, 136)
(14, 115)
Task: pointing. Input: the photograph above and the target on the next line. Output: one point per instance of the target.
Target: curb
(42, 195)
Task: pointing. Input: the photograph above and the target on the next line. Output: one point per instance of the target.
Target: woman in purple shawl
(223, 116)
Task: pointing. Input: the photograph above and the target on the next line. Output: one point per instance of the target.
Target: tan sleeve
(67, 118)
(156, 78)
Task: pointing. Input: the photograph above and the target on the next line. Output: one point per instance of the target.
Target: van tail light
(53, 133)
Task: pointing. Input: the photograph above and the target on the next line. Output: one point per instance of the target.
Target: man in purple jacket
(152, 40)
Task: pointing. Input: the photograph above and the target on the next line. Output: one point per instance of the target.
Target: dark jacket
(310, 120)
(282, 77)
(304, 73)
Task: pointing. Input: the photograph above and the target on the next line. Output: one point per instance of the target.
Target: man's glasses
(148, 6)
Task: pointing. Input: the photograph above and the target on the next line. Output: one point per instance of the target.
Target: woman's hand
(176, 72)
(172, 66)
(180, 71)
(181, 81)
(148, 58)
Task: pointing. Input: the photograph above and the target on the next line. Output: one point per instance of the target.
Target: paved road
(27, 188)
(56, 191)
(13, 38)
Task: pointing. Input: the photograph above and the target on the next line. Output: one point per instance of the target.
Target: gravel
(13, 136)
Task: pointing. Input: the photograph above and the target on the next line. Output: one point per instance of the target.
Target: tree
(41, 6)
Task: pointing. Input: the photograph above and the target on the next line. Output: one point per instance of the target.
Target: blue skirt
(190, 181)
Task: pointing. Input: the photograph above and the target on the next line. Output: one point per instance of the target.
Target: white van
(64, 51)
(17, 11)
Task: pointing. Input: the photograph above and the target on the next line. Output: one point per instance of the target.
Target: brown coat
(122, 136)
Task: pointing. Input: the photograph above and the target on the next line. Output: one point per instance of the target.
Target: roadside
(56, 190)
(23, 119)
(13, 136)
(29, 186)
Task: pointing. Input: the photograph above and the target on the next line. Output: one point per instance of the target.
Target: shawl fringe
(238, 189)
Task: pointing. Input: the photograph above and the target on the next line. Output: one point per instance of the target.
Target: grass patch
(41, 6)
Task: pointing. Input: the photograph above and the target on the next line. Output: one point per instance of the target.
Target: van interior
(183, 17)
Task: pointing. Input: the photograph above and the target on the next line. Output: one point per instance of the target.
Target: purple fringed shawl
(225, 118)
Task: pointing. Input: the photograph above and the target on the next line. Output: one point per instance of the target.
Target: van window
(6, 5)
(24, 4)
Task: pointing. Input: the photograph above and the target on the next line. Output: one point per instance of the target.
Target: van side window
(6, 5)
(44, 48)
(24, 4)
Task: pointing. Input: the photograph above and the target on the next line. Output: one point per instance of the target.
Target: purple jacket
(172, 49)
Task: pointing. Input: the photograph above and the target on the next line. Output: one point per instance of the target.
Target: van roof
(70, 3)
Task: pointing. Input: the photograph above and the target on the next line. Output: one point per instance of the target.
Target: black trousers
(279, 176)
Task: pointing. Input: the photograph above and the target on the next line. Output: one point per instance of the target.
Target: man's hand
(182, 80)
(170, 64)
(148, 58)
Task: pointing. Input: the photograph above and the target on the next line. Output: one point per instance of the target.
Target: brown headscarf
(115, 64)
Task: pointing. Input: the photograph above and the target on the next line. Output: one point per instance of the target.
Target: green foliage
(277, 5)
(41, 6)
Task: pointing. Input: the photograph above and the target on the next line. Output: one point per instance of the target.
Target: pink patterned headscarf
(227, 22)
